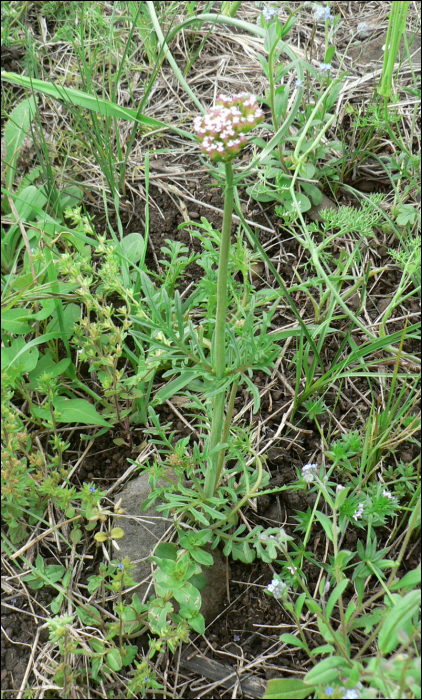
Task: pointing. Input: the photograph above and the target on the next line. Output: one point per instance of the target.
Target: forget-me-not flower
(309, 472)
(351, 693)
(277, 588)
(325, 68)
(321, 14)
(268, 13)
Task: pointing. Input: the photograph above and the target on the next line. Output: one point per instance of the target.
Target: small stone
(326, 203)
(354, 302)
(193, 214)
(256, 270)
(406, 457)
(365, 185)
(383, 304)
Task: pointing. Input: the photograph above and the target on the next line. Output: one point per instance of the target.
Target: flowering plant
(222, 135)
(222, 130)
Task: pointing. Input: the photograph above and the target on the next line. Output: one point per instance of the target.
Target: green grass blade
(91, 102)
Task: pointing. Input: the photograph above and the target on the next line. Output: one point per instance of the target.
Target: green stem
(226, 429)
(272, 106)
(338, 577)
(220, 333)
(246, 497)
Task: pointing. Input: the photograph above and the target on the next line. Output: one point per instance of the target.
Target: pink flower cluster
(222, 130)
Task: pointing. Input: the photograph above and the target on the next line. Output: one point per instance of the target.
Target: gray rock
(354, 302)
(144, 530)
(372, 52)
(383, 304)
(326, 203)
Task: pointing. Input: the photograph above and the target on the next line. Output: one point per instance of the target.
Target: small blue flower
(351, 694)
(299, 84)
(146, 679)
(329, 690)
(268, 13)
(92, 489)
(309, 472)
(362, 27)
(325, 68)
(236, 638)
(321, 14)
(121, 566)
(277, 588)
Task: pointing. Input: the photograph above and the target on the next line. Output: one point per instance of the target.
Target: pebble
(383, 304)
(256, 270)
(193, 214)
(354, 302)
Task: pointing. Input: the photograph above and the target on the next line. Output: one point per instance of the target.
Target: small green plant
(25, 204)
(340, 668)
(274, 173)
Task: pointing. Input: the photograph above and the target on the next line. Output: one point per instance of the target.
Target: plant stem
(246, 497)
(220, 334)
(226, 429)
